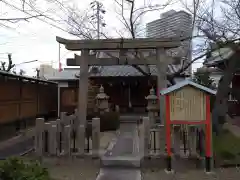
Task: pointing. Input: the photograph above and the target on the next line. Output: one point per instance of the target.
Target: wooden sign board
(187, 104)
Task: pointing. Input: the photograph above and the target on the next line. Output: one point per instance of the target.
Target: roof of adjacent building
(8, 74)
(218, 56)
(184, 83)
(107, 71)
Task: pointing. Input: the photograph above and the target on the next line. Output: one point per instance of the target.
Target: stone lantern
(152, 106)
(102, 100)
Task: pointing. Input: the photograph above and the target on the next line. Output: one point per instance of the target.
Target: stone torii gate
(161, 60)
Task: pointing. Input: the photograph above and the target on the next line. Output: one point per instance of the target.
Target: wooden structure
(122, 89)
(22, 99)
(123, 45)
(188, 103)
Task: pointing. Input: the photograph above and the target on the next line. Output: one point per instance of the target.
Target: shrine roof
(107, 71)
(187, 83)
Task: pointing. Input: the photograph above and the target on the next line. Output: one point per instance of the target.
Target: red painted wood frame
(207, 122)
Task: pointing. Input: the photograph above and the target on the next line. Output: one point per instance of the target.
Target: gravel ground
(75, 168)
(218, 174)
(72, 169)
(16, 149)
(185, 169)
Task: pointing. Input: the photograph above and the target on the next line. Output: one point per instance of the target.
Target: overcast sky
(36, 40)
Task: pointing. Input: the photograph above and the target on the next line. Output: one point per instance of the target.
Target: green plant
(109, 121)
(18, 169)
(227, 155)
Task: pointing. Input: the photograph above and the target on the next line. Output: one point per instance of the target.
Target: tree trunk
(220, 105)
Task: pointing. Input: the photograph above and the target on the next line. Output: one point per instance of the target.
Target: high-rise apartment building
(174, 23)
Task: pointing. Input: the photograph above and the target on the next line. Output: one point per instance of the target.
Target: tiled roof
(115, 70)
(219, 56)
(121, 70)
(107, 71)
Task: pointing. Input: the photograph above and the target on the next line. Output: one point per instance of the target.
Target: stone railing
(184, 139)
(61, 137)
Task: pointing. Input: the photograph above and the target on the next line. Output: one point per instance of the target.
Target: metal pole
(98, 20)
(59, 57)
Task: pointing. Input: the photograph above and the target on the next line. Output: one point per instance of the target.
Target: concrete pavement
(17, 145)
(119, 174)
(17, 149)
(122, 162)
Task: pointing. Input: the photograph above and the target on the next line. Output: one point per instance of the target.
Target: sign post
(188, 103)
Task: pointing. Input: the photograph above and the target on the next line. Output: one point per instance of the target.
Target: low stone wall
(63, 138)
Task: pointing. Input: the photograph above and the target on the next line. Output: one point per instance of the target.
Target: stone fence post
(39, 136)
(53, 140)
(67, 140)
(192, 141)
(162, 139)
(95, 137)
(81, 139)
(176, 140)
(146, 126)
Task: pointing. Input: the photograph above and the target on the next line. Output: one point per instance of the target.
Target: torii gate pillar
(162, 64)
(82, 102)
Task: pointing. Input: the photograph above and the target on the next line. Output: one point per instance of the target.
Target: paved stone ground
(17, 149)
(124, 144)
(17, 145)
(119, 174)
(75, 168)
(124, 148)
(218, 174)
(72, 169)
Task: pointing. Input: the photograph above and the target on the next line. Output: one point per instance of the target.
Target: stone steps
(121, 161)
(119, 174)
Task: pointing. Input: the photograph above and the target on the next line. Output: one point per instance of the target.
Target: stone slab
(119, 174)
(121, 161)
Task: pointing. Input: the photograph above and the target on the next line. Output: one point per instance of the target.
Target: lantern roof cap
(152, 95)
(101, 94)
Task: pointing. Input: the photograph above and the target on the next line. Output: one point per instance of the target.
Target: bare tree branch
(15, 20)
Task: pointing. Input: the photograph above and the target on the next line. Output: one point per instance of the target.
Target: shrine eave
(186, 83)
(113, 44)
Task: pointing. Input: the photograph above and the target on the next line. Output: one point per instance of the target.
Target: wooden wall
(21, 99)
(69, 96)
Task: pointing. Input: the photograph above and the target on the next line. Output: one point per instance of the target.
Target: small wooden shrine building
(125, 86)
